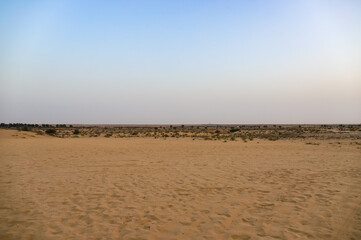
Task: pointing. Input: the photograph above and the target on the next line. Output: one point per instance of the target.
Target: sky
(180, 62)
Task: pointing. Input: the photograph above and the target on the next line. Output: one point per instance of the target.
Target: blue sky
(180, 61)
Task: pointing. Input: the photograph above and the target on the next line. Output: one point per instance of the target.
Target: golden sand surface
(145, 188)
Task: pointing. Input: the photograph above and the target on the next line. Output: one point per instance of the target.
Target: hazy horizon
(187, 62)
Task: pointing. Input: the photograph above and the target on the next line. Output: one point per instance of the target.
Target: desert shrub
(233, 130)
(76, 131)
(50, 131)
(108, 135)
(207, 138)
(39, 132)
(273, 138)
(24, 128)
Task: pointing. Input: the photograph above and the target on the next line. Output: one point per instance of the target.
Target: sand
(144, 188)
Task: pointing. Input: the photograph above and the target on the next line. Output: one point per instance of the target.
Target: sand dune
(144, 188)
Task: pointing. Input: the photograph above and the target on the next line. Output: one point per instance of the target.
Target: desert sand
(145, 188)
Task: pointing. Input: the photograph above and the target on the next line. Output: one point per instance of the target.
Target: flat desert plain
(145, 188)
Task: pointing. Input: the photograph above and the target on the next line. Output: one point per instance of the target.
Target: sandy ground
(144, 188)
